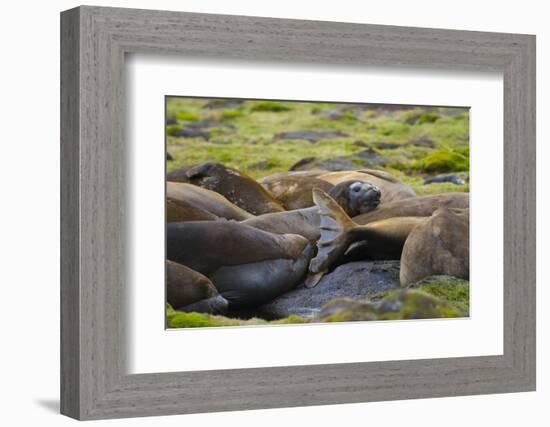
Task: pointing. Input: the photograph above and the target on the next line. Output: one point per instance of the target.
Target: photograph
(294, 212)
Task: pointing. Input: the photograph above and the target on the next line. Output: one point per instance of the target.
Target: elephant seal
(382, 239)
(248, 266)
(440, 245)
(294, 191)
(189, 290)
(352, 196)
(237, 187)
(196, 200)
(179, 210)
(421, 206)
(392, 189)
(282, 175)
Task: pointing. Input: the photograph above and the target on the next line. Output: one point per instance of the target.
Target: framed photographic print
(348, 211)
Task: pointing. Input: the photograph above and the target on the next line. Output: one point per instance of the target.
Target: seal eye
(356, 189)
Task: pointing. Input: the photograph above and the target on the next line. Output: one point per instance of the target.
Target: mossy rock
(396, 305)
(232, 114)
(427, 118)
(455, 291)
(444, 160)
(271, 106)
(174, 129)
(187, 116)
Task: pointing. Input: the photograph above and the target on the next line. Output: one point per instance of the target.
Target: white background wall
(29, 225)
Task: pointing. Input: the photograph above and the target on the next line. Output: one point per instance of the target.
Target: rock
(444, 178)
(397, 305)
(178, 175)
(336, 164)
(338, 113)
(209, 124)
(360, 144)
(310, 136)
(422, 142)
(354, 279)
(262, 165)
(191, 133)
(381, 145)
(369, 157)
(364, 158)
(218, 104)
(169, 156)
(171, 121)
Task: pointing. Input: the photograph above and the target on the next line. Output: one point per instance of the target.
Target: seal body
(294, 191)
(352, 196)
(421, 206)
(235, 186)
(189, 290)
(440, 245)
(195, 199)
(248, 266)
(182, 210)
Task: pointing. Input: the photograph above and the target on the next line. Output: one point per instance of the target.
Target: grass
(257, 122)
(179, 319)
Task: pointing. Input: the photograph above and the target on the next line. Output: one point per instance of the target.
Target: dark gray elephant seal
(392, 189)
(189, 290)
(354, 197)
(196, 199)
(235, 186)
(440, 245)
(248, 266)
(421, 206)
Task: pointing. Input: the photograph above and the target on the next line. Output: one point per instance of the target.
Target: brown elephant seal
(248, 266)
(338, 232)
(440, 245)
(421, 206)
(196, 200)
(392, 189)
(237, 187)
(179, 210)
(294, 192)
(295, 174)
(352, 196)
(189, 290)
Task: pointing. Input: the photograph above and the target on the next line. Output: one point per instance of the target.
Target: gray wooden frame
(94, 41)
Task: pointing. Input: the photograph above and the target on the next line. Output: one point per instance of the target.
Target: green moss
(427, 118)
(444, 160)
(190, 320)
(232, 114)
(456, 292)
(251, 141)
(187, 116)
(290, 320)
(179, 319)
(416, 305)
(316, 110)
(390, 305)
(173, 129)
(270, 106)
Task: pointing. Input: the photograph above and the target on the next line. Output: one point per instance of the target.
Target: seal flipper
(335, 237)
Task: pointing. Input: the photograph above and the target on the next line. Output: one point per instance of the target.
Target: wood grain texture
(94, 382)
